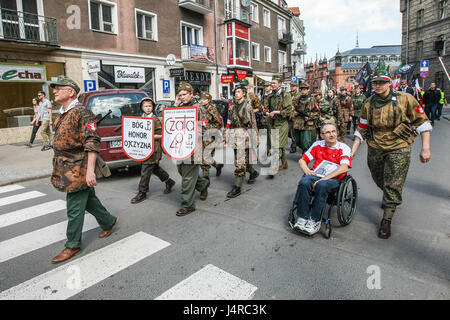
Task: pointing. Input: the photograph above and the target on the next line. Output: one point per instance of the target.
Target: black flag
(364, 76)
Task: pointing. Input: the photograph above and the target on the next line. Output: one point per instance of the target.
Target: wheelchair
(343, 198)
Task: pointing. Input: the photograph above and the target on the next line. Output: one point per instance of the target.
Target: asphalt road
(248, 237)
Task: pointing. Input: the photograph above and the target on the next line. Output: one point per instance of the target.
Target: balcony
(285, 37)
(238, 14)
(27, 27)
(197, 54)
(300, 49)
(200, 6)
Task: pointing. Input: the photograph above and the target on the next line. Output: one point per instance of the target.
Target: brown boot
(284, 166)
(204, 193)
(66, 254)
(107, 232)
(385, 229)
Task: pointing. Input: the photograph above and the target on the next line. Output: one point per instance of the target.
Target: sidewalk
(19, 163)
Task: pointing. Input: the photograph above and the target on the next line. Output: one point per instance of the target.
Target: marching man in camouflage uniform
(190, 179)
(334, 103)
(389, 123)
(76, 144)
(295, 94)
(345, 112)
(280, 109)
(266, 119)
(305, 121)
(358, 102)
(326, 113)
(242, 135)
(212, 136)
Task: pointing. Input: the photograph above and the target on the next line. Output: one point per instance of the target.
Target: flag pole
(443, 67)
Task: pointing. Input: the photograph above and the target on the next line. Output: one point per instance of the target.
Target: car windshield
(122, 104)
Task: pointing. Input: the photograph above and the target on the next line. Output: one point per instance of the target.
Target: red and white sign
(242, 32)
(227, 78)
(138, 137)
(241, 74)
(230, 52)
(179, 138)
(229, 30)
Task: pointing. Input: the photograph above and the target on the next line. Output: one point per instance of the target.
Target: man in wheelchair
(332, 160)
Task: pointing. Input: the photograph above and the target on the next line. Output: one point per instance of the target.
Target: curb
(448, 119)
(8, 182)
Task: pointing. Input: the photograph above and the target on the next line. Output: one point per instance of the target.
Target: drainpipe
(217, 53)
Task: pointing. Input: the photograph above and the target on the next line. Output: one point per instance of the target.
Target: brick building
(425, 30)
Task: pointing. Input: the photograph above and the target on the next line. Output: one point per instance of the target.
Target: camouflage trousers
(242, 163)
(209, 150)
(343, 126)
(389, 170)
(292, 134)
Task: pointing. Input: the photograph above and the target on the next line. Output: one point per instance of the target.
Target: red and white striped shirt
(340, 154)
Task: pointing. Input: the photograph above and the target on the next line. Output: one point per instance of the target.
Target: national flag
(364, 76)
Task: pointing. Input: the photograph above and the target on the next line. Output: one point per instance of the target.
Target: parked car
(121, 102)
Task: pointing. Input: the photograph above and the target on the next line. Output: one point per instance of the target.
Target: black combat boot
(219, 168)
(385, 229)
(169, 184)
(253, 177)
(141, 196)
(234, 193)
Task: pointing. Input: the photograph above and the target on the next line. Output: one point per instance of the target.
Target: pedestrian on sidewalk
(431, 99)
(46, 119)
(389, 122)
(76, 145)
(151, 165)
(36, 122)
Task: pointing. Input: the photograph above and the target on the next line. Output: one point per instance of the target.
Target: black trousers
(146, 172)
(35, 130)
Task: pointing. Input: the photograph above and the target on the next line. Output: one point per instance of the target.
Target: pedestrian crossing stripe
(59, 284)
(20, 197)
(18, 216)
(210, 283)
(10, 188)
(38, 239)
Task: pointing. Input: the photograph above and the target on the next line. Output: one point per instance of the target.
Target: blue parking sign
(166, 86)
(90, 85)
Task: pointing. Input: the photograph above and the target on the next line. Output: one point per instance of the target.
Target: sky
(333, 23)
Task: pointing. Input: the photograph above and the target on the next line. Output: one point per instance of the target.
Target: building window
(393, 58)
(191, 34)
(146, 25)
(282, 61)
(384, 58)
(255, 51)
(439, 79)
(442, 9)
(103, 16)
(281, 25)
(373, 59)
(419, 50)
(254, 14)
(442, 38)
(266, 17)
(267, 54)
(364, 59)
(420, 18)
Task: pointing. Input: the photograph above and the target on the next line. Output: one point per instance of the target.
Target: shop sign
(22, 73)
(229, 30)
(129, 75)
(227, 78)
(241, 74)
(198, 78)
(201, 53)
(94, 66)
(242, 32)
(179, 72)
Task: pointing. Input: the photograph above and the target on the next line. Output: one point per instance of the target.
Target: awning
(264, 78)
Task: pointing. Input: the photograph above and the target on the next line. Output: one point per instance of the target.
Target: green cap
(65, 81)
(206, 95)
(185, 86)
(267, 83)
(381, 73)
(294, 83)
(276, 77)
(304, 85)
(244, 82)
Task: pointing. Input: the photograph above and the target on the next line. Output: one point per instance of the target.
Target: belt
(68, 153)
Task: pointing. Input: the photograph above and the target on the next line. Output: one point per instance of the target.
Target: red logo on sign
(241, 74)
(227, 79)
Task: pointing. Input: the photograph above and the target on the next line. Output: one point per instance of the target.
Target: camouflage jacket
(241, 130)
(157, 147)
(295, 96)
(214, 123)
(254, 101)
(325, 111)
(307, 113)
(358, 102)
(382, 122)
(75, 136)
(345, 107)
(280, 102)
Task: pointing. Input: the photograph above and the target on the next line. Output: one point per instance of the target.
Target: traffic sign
(294, 79)
(166, 86)
(424, 74)
(90, 85)
(424, 65)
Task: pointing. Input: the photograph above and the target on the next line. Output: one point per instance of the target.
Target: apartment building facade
(425, 31)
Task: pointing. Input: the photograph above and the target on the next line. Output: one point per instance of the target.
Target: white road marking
(28, 242)
(14, 217)
(20, 197)
(10, 188)
(210, 283)
(61, 283)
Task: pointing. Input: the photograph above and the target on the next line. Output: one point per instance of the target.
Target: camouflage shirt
(346, 107)
(254, 101)
(75, 136)
(241, 118)
(325, 111)
(358, 102)
(307, 113)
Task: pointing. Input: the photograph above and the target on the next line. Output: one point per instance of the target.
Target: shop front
(200, 80)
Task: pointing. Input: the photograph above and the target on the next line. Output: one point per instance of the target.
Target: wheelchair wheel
(346, 201)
